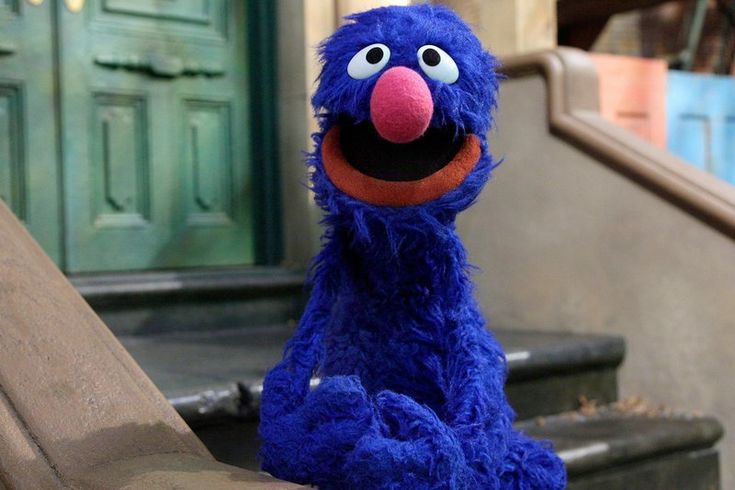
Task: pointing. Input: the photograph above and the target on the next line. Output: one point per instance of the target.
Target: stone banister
(76, 411)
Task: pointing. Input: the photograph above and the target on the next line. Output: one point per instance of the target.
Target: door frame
(263, 33)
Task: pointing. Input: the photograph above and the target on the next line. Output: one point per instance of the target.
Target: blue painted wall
(701, 121)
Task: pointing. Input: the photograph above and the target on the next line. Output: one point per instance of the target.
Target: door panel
(155, 135)
(208, 161)
(120, 160)
(28, 138)
(194, 18)
(189, 10)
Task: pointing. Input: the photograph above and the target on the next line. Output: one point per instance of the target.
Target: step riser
(562, 392)
(559, 392)
(201, 315)
(194, 300)
(234, 442)
(692, 470)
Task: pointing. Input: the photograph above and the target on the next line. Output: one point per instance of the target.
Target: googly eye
(437, 64)
(368, 61)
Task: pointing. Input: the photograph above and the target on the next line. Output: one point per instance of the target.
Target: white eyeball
(368, 61)
(437, 64)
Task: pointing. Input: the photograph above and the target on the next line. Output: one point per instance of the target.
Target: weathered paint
(633, 94)
(701, 121)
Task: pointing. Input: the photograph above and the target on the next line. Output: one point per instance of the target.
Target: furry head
(404, 103)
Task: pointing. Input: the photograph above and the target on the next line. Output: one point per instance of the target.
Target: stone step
(615, 450)
(213, 374)
(155, 302)
(607, 451)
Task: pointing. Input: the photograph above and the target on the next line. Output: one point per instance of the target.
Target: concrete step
(608, 451)
(219, 373)
(154, 302)
(178, 326)
(614, 450)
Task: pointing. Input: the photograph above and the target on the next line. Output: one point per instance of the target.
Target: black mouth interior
(372, 155)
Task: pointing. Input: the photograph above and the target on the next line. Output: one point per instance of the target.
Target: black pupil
(431, 57)
(374, 55)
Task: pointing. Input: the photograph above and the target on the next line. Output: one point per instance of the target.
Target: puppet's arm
(287, 384)
(472, 446)
(306, 434)
(337, 436)
(480, 417)
(417, 447)
(413, 449)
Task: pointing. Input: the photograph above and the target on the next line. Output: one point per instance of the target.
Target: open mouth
(372, 155)
(367, 167)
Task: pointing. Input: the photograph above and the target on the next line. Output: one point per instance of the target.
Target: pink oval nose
(401, 105)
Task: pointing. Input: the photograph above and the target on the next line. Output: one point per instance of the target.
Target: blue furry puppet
(411, 393)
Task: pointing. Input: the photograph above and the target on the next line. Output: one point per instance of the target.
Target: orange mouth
(397, 193)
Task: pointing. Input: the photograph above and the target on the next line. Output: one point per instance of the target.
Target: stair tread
(205, 373)
(614, 438)
(124, 287)
(533, 353)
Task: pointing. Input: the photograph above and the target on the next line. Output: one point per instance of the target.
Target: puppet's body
(412, 382)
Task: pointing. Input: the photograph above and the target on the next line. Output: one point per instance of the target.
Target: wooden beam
(510, 27)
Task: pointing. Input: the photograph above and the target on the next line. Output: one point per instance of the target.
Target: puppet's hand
(338, 413)
(310, 444)
(415, 450)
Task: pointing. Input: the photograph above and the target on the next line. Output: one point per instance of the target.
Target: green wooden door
(28, 138)
(154, 134)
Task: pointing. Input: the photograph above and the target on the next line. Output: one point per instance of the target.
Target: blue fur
(412, 383)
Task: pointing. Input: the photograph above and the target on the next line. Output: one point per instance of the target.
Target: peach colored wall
(633, 94)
